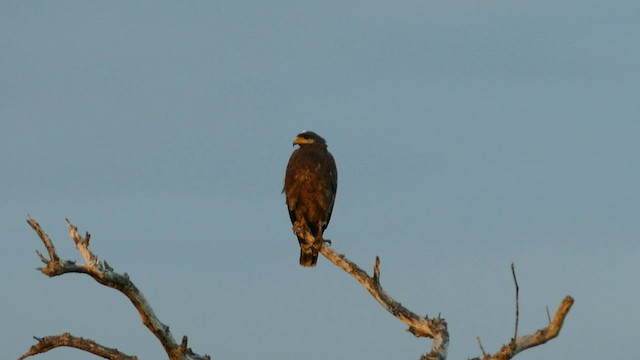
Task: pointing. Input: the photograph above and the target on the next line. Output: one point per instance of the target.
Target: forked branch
(104, 274)
(436, 328)
(519, 344)
(540, 337)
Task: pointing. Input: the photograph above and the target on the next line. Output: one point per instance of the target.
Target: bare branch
(51, 342)
(53, 257)
(82, 244)
(515, 280)
(481, 347)
(104, 274)
(376, 271)
(435, 328)
(540, 337)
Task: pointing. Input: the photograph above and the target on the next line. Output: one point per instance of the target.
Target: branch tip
(515, 280)
(183, 345)
(42, 258)
(376, 271)
(481, 347)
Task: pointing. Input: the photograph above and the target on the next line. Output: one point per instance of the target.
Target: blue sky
(468, 135)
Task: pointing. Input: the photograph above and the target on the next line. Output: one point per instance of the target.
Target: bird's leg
(323, 226)
(319, 240)
(298, 228)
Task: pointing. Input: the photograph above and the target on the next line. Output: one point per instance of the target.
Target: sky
(468, 135)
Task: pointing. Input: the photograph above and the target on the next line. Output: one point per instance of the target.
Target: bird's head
(309, 138)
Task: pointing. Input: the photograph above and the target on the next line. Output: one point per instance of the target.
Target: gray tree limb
(51, 342)
(436, 328)
(101, 272)
(540, 337)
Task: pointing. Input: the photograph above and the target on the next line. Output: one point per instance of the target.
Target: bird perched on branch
(310, 186)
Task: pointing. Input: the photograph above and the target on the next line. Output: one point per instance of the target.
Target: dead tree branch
(51, 342)
(435, 328)
(515, 280)
(519, 344)
(104, 274)
(540, 337)
(481, 347)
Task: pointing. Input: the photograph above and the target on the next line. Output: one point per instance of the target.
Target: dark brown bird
(310, 186)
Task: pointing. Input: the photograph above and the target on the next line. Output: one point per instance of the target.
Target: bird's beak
(300, 140)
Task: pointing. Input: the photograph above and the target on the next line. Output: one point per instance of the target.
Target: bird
(310, 185)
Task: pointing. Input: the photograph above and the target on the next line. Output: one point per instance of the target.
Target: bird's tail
(308, 257)
(309, 249)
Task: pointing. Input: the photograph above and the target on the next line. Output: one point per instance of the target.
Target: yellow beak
(300, 140)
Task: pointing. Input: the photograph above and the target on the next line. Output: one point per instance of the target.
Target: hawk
(310, 185)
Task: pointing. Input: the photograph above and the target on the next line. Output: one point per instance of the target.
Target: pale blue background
(468, 135)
